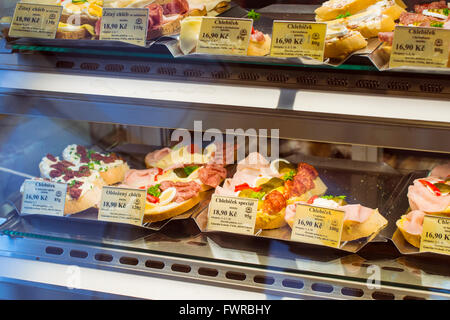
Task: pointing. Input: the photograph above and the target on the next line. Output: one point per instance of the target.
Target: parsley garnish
(89, 153)
(190, 169)
(345, 15)
(332, 197)
(91, 166)
(257, 195)
(253, 15)
(72, 183)
(289, 176)
(436, 24)
(154, 190)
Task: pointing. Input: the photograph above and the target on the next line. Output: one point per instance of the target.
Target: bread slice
(74, 35)
(353, 231)
(371, 28)
(413, 239)
(368, 23)
(171, 27)
(89, 199)
(79, 19)
(155, 212)
(115, 174)
(332, 9)
(221, 7)
(262, 48)
(197, 12)
(340, 47)
(267, 221)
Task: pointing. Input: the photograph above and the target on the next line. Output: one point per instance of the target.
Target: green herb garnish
(345, 15)
(249, 193)
(190, 169)
(446, 11)
(90, 153)
(289, 176)
(257, 195)
(72, 183)
(333, 197)
(154, 190)
(91, 166)
(253, 15)
(436, 24)
(444, 188)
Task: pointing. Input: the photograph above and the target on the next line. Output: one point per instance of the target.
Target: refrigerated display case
(369, 133)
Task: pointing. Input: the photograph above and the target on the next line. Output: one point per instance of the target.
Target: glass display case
(369, 133)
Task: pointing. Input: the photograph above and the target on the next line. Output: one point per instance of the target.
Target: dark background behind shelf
(256, 4)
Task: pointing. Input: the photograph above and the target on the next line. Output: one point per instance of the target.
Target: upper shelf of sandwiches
(353, 27)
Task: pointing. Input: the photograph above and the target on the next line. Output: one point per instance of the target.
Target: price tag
(35, 21)
(126, 25)
(122, 205)
(435, 235)
(317, 225)
(232, 214)
(43, 197)
(420, 47)
(228, 36)
(298, 39)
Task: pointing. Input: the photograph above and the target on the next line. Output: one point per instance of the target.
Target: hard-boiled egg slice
(95, 10)
(261, 180)
(167, 196)
(210, 149)
(274, 165)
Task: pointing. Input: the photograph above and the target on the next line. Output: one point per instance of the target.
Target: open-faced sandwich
(259, 43)
(430, 195)
(434, 14)
(110, 166)
(174, 189)
(359, 221)
(332, 9)
(351, 22)
(207, 7)
(80, 12)
(78, 18)
(272, 184)
(164, 16)
(84, 186)
(341, 41)
(85, 172)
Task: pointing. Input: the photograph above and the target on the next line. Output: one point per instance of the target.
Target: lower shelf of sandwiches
(372, 199)
(363, 28)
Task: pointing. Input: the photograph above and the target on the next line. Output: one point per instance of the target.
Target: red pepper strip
(152, 199)
(311, 200)
(431, 186)
(192, 148)
(160, 172)
(253, 30)
(245, 186)
(143, 187)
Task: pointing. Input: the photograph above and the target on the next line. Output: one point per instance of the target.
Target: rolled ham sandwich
(170, 193)
(272, 184)
(359, 221)
(176, 179)
(430, 195)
